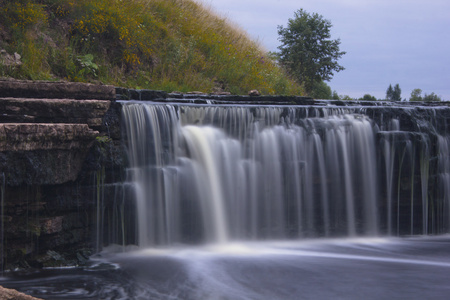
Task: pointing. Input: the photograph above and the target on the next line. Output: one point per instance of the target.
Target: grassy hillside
(157, 44)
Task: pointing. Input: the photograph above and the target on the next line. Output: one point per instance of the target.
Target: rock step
(55, 89)
(31, 110)
(39, 136)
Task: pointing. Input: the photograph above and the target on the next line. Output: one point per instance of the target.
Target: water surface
(358, 268)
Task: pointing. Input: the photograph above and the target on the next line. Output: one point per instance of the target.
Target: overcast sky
(387, 41)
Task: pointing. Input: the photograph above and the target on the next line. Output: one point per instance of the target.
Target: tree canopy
(416, 95)
(307, 50)
(394, 94)
(321, 90)
(368, 97)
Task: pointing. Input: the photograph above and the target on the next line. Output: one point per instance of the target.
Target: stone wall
(55, 140)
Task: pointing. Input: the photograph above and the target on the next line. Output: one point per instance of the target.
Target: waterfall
(444, 176)
(219, 173)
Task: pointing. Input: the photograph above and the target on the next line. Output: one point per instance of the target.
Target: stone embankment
(52, 122)
(53, 138)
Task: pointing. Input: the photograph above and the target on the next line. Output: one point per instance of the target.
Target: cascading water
(214, 174)
(444, 177)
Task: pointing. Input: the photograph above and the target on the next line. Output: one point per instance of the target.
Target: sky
(387, 41)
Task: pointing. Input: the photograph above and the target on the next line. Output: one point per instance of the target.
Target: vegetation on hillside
(157, 44)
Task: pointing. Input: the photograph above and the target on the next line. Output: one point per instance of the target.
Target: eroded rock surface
(45, 141)
(38, 136)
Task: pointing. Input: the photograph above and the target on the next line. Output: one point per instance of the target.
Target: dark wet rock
(150, 95)
(141, 95)
(216, 97)
(51, 225)
(41, 166)
(111, 126)
(135, 95)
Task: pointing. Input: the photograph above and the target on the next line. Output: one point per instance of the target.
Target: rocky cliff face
(55, 139)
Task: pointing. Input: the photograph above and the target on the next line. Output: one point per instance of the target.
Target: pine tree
(397, 95)
(394, 94)
(390, 93)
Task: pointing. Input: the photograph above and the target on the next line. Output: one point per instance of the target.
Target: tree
(397, 96)
(416, 95)
(431, 98)
(335, 96)
(307, 51)
(368, 97)
(346, 97)
(394, 94)
(390, 93)
(321, 90)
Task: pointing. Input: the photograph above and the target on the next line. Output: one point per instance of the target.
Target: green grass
(155, 44)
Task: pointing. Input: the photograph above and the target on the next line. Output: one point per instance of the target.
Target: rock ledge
(55, 89)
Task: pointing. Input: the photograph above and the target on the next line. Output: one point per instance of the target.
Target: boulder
(14, 295)
(254, 93)
(10, 60)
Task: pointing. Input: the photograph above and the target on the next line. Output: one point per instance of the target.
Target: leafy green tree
(394, 94)
(416, 95)
(307, 50)
(431, 98)
(335, 96)
(368, 97)
(346, 97)
(321, 90)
